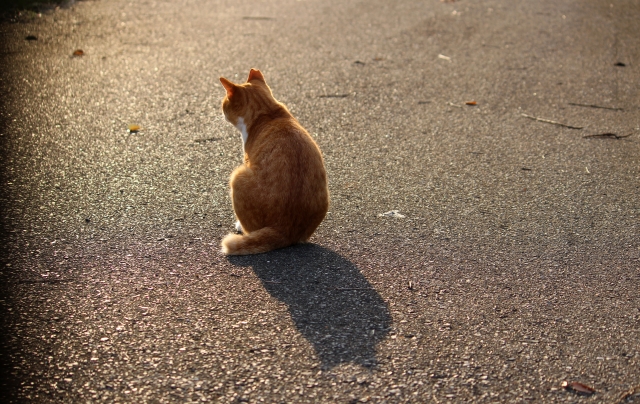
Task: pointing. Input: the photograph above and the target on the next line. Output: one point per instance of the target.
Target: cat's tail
(256, 242)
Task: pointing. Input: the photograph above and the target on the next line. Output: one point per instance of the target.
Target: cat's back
(283, 141)
(292, 170)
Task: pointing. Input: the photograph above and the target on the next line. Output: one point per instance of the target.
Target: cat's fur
(280, 193)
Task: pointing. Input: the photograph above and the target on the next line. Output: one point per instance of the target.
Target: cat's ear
(229, 86)
(255, 74)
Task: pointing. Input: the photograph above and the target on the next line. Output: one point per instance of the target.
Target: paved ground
(515, 268)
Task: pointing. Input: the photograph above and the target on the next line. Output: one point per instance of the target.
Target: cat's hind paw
(238, 227)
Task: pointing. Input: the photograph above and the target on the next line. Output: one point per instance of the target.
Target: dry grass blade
(535, 118)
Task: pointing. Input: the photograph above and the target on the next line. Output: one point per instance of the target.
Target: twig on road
(608, 135)
(632, 391)
(454, 105)
(535, 118)
(595, 106)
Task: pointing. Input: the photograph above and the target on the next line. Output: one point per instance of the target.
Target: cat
(279, 194)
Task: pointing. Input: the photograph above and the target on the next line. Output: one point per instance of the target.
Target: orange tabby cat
(280, 193)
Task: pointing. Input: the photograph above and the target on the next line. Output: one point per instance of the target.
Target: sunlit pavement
(512, 264)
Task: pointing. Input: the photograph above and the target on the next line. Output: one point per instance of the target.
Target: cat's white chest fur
(242, 127)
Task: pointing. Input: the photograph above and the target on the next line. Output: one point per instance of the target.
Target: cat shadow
(331, 303)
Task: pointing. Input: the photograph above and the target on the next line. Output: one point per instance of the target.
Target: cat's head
(248, 99)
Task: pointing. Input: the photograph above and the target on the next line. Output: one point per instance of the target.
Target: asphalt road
(515, 268)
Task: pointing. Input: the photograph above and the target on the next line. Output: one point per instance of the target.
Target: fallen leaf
(134, 128)
(78, 52)
(578, 388)
(444, 57)
(471, 103)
